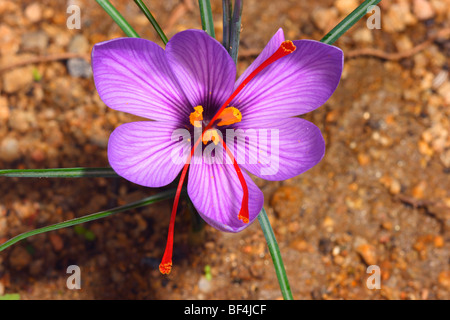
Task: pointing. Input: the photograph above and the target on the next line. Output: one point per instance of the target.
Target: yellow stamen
(211, 135)
(229, 116)
(196, 117)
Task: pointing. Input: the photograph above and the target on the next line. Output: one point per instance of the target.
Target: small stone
(33, 12)
(403, 43)
(4, 109)
(418, 190)
(367, 253)
(17, 79)
(286, 201)
(35, 41)
(438, 241)
(79, 44)
(423, 10)
(325, 18)
(444, 92)
(79, 68)
(204, 285)
(346, 6)
(56, 241)
(19, 258)
(363, 159)
(444, 279)
(363, 35)
(301, 245)
(328, 223)
(9, 149)
(398, 18)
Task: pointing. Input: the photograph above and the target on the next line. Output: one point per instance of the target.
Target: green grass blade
(227, 15)
(276, 255)
(118, 18)
(103, 214)
(348, 22)
(152, 20)
(60, 173)
(236, 29)
(206, 16)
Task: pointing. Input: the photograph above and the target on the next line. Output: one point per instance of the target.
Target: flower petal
(216, 193)
(272, 46)
(133, 75)
(278, 150)
(147, 153)
(203, 67)
(292, 85)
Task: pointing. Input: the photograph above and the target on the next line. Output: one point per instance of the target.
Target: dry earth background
(380, 196)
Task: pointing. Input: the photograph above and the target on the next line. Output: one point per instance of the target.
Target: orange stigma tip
(243, 218)
(288, 46)
(165, 268)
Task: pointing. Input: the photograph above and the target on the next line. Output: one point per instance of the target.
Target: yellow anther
(196, 117)
(229, 116)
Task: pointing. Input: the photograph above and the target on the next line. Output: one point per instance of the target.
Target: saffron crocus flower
(191, 85)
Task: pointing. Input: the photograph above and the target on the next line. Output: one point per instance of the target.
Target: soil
(380, 196)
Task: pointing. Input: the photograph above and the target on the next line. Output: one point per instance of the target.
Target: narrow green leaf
(276, 255)
(137, 204)
(348, 22)
(152, 20)
(227, 15)
(60, 173)
(236, 29)
(118, 18)
(206, 16)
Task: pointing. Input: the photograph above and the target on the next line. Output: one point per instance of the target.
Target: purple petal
(292, 85)
(133, 75)
(279, 150)
(145, 153)
(268, 50)
(203, 67)
(216, 193)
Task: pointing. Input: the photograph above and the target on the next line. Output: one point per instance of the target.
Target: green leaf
(348, 22)
(118, 18)
(236, 29)
(103, 214)
(152, 20)
(60, 173)
(227, 15)
(206, 16)
(276, 255)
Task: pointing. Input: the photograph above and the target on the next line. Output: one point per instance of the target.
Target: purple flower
(185, 85)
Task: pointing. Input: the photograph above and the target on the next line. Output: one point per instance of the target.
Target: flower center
(225, 117)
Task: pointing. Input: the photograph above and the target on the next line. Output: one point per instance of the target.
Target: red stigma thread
(243, 212)
(165, 267)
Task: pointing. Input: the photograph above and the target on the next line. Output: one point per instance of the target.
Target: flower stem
(60, 173)
(118, 18)
(143, 202)
(152, 20)
(206, 16)
(276, 255)
(348, 22)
